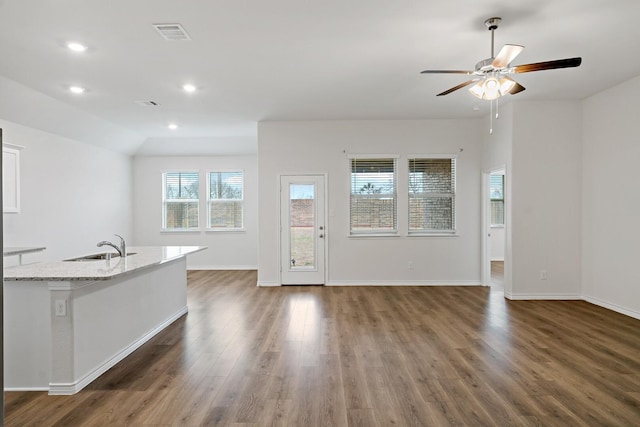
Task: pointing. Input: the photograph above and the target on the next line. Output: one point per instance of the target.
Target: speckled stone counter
(68, 322)
(145, 257)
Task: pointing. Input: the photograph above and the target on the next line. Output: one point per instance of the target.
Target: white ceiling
(256, 60)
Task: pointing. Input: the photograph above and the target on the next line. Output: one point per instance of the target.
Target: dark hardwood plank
(370, 356)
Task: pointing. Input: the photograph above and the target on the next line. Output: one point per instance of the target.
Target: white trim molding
(26, 389)
(614, 307)
(555, 297)
(221, 267)
(11, 178)
(267, 284)
(403, 283)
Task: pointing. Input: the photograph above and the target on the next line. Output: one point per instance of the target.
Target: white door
(302, 230)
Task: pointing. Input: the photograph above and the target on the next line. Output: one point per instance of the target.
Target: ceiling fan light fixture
(477, 89)
(489, 88)
(506, 84)
(490, 75)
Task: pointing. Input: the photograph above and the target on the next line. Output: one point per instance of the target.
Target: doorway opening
(495, 197)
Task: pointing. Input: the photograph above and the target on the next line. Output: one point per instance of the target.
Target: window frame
(374, 232)
(209, 200)
(433, 232)
(166, 201)
(492, 199)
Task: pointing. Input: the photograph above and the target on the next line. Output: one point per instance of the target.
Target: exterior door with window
(302, 230)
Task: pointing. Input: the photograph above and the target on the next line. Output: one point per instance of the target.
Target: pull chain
(491, 118)
(497, 108)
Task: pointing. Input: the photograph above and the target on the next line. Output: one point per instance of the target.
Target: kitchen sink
(97, 257)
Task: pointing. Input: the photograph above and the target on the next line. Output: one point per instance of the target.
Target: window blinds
(225, 201)
(432, 186)
(181, 200)
(496, 190)
(373, 195)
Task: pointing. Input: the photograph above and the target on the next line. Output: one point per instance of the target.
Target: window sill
(179, 230)
(374, 235)
(433, 235)
(225, 230)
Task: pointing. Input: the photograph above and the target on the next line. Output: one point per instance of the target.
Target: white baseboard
(26, 388)
(73, 388)
(221, 267)
(265, 284)
(614, 307)
(402, 283)
(512, 296)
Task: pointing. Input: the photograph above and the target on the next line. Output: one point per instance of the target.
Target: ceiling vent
(172, 31)
(148, 103)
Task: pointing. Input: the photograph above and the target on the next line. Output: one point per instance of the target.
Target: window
(225, 200)
(496, 190)
(432, 188)
(180, 194)
(373, 196)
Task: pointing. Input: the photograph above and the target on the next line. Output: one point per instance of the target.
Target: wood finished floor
(497, 276)
(363, 356)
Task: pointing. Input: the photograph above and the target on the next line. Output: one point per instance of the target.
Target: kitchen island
(67, 322)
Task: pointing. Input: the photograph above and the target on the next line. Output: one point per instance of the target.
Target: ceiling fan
(491, 75)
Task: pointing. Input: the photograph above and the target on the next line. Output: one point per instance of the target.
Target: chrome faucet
(122, 250)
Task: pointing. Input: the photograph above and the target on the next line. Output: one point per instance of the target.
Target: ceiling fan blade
(507, 54)
(460, 86)
(446, 72)
(548, 65)
(517, 88)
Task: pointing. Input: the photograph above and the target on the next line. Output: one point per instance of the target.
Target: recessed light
(172, 126)
(76, 89)
(189, 88)
(76, 47)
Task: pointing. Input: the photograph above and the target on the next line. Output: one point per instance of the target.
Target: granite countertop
(145, 257)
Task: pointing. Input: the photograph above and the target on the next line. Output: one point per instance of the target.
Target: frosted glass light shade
(491, 88)
(506, 84)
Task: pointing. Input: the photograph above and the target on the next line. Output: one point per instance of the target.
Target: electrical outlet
(61, 307)
(543, 275)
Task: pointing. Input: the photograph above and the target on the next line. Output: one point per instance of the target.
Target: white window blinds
(373, 195)
(225, 200)
(432, 187)
(180, 200)
(496, 190)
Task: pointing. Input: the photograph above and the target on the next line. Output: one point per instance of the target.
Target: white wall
(73, 195)
(322, 147)
(611, 198)
(546, 199)
(227, 250)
